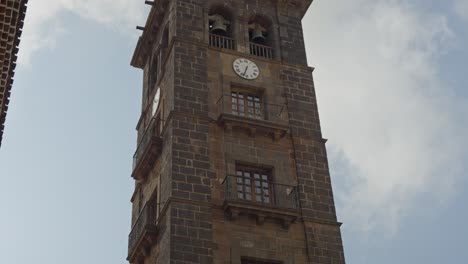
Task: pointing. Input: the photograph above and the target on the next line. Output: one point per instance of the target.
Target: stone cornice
(153, 23)
(297, 7)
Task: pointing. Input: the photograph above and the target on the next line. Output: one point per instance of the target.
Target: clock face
(246, 69)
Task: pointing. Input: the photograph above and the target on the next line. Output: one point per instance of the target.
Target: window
(253, 261)
(153, 73)
(246, 105)
(140, 199)
(164, 43)
(253, 184)
(155, 201)
(156, 99)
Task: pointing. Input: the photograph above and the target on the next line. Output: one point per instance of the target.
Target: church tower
(12, 14)
(230, 166)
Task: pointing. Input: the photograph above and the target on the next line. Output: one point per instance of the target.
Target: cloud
(44, 18)
(461, 8)
(392, 123)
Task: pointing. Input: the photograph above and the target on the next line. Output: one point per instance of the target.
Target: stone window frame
(253, 183)
(254, 91)
(156, 197)
(240, 254)
(278, 173)
(153, 73)
(157, 59)
(253, 104)
(248, 260)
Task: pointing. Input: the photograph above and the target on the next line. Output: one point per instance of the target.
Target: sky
(390, 77)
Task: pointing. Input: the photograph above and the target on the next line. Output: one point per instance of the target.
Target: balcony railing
(148, 149)
(221, 42)
(261, 51)
(252, 107)
(264, 194)
(144, 230)
(252, 114)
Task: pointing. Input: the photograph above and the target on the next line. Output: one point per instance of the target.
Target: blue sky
(391, 84)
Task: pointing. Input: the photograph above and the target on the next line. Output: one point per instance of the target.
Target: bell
(257, 36)
(218, 25)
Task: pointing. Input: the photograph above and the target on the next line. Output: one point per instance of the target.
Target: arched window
(261, 37)
(153, 73)
(165, 43)
(155, 104)
(157, 61)
(220, 27)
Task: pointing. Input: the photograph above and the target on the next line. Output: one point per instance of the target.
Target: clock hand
(245, 70)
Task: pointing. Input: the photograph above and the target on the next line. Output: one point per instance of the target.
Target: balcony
(221, 42)
(148, 150)
(263, 200)
(261, 51)
(144, 232)
(249, 112)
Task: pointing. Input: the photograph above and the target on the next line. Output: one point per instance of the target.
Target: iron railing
(151, 108)
(261, 51)
(221, 42)
(152, 131)
(146, 221)
(252, 109)
(268, 194)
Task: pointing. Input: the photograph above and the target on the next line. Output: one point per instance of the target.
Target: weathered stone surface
(202, 146)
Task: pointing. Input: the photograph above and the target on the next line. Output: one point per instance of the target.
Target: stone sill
(253, 126)
(285, 216)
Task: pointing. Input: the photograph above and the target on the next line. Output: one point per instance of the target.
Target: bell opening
(218, 25)
(258, 37)
(258, 34)
(219, 31)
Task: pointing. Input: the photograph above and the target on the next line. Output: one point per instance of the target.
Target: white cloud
(461, 8)
(384, 106)
(43, 22)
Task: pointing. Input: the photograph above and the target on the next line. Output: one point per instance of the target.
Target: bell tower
(230, 164)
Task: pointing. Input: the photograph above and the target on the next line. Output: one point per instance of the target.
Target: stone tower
(12, 14)
(230, 165)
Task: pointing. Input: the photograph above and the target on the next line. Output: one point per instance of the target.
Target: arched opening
(165, 42)
(153, 73)
(261, 36)
(220, 27)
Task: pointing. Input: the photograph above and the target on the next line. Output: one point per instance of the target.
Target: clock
(246, 69)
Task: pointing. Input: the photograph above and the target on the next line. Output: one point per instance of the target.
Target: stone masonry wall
(198, 152)
(191, 213)
(159, 179)
(316, 195)
(292, 37)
